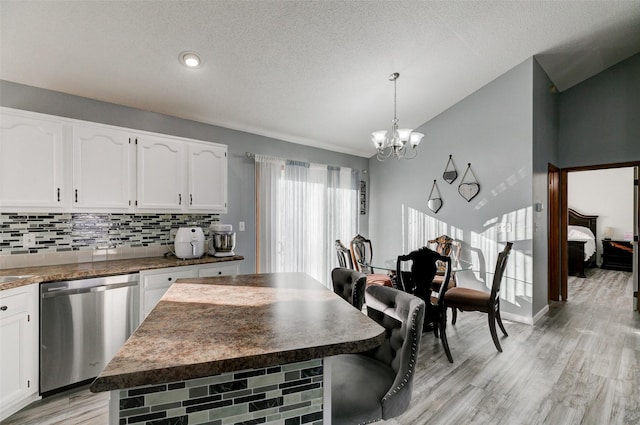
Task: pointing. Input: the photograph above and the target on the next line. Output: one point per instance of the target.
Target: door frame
(553, 244)
(564, 218)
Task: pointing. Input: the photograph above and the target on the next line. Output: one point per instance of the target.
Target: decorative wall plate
(434, 203)
(450, 174)
(469, 190)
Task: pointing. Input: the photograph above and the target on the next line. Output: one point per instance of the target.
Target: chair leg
(499, 319)
(443, 337)
(494, 334)
(454, 315)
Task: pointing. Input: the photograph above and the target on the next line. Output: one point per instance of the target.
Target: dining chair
(350, 285)
(414, 273)
(344, 255)
(446, 245)
(467, 299)
(377, 384)
(362, 254)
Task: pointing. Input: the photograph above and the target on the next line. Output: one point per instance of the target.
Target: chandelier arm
(381, 155)
(414, 150)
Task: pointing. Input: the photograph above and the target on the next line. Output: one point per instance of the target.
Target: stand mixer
(222, 240)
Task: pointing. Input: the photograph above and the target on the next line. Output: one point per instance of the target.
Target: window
(301, 209)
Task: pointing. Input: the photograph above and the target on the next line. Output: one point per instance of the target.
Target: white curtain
(302, 208)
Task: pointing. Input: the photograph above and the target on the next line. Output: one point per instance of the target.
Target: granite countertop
(207, 326)
(100, 268)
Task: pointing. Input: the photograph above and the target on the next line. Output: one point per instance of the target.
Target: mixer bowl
(223, 241)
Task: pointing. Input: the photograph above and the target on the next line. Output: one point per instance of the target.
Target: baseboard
(516, 318)
(544, 310)
(18, 405)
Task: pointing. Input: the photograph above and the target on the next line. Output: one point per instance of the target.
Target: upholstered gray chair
(350, 285)
(377, 384)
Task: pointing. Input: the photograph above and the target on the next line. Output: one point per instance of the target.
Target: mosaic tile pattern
(60, 232)
(290, 394)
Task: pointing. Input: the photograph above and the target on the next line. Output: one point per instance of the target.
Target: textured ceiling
(312, 72)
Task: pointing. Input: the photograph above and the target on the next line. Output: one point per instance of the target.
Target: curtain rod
(252, 155)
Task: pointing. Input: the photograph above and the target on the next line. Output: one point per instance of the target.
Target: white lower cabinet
(18, 348)
(154, 283)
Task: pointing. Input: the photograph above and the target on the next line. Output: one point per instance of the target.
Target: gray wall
(545, 151)
(599, 119)
(241, 169)
(492, 129)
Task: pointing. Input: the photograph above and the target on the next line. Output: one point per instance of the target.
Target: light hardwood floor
(580, 364)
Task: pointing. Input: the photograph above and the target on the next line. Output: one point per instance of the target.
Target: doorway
(559, 196)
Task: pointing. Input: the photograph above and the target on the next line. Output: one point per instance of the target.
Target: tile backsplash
(80, 234)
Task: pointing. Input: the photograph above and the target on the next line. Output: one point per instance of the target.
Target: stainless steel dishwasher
(83, 324)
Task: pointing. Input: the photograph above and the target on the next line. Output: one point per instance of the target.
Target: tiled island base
(290, 394)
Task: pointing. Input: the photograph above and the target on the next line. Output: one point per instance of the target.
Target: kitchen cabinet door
(160, 182)
(154, 283)
(207, 165)
(31, 162)
(18, 348)
(102, 174)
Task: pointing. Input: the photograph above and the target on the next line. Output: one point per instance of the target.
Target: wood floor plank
(580, 364)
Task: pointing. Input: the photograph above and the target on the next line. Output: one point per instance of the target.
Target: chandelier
(397, 144)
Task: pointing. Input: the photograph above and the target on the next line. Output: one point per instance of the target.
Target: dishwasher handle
(57, 292)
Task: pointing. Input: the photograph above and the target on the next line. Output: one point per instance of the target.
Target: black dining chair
(344, 255)
(415, 273)
(467, 299)
(362, 253)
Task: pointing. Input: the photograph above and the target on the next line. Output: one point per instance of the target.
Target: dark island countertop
(207, 326)
(87, 270)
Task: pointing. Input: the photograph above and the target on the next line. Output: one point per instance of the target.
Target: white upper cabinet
(207, 165)
(56, 164)
(31, 162)
(160, 173)
(102, 174)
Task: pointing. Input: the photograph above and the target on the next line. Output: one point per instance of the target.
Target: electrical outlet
(29, 240)
(241, 226)
(172, 234)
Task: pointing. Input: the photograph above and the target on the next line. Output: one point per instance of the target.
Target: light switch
(241, 226)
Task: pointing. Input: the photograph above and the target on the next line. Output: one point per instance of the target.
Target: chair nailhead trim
(370, 422)
(411, 361)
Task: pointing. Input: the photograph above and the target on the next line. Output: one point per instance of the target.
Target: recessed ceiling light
(190, 59)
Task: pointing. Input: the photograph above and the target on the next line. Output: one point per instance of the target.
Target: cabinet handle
(179, 198)
(191, 199)
(76, 195)
(58, 194)
(4, 308)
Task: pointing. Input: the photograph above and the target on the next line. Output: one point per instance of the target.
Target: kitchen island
(241, 349)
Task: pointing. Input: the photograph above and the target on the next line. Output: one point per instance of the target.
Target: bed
(582, 242)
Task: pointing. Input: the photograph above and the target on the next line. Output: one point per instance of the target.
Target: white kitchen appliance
(189, 242)
(222, 240)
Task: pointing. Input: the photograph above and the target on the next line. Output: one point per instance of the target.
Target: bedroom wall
(492, 130)
(607, 194)
(241, 186)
